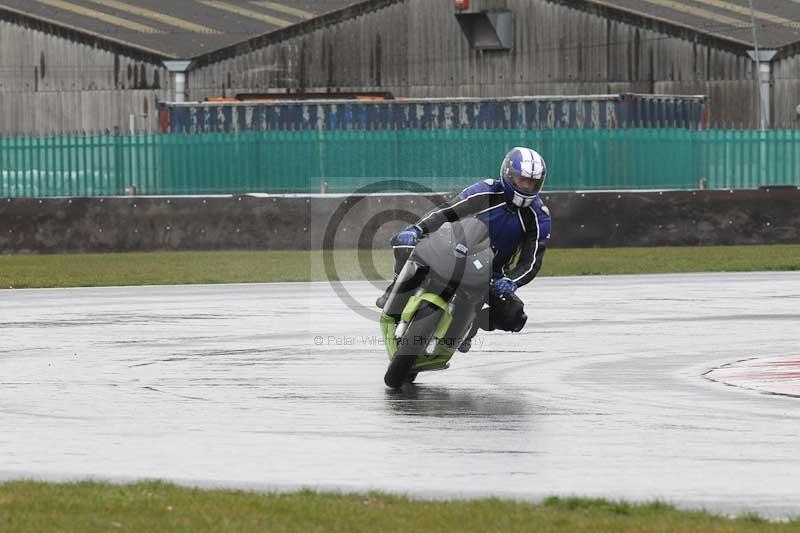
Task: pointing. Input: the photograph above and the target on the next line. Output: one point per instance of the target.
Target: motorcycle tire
(413, 343)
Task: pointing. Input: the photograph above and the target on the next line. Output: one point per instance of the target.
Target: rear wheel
(412, 344)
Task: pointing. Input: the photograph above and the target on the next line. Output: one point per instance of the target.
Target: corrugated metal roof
(193, 28)
(175, 28)
(777, 21)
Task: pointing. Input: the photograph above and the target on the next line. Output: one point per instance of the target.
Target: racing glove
(407, 237)
(504, 287)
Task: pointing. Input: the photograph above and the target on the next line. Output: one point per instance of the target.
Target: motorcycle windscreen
(458, 252)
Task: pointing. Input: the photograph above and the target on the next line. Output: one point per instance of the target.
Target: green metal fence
(300, 161)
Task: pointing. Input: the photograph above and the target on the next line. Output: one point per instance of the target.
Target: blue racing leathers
(518, 236)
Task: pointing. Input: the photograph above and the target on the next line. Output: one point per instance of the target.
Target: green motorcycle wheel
(412, 344)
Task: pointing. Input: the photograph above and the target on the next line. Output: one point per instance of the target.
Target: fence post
(26, 159)
(41, 191)
(5, 175)
(793, 173)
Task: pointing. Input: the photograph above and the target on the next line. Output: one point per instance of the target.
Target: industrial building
(97, 65)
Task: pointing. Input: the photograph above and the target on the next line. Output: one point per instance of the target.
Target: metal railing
(345, 161)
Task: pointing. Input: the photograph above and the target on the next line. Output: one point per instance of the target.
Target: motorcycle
(435, 299)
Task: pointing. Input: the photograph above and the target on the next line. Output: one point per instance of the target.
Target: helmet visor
(526, 185)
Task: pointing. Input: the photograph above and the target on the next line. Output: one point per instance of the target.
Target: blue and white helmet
(523, 173)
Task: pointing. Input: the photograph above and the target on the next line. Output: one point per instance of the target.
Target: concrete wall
(680, 218)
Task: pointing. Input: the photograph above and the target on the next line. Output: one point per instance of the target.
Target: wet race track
(280, 386)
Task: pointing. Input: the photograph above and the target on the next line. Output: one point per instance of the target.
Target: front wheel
(412, 344)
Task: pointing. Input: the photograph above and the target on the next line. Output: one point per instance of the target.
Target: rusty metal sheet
(605, 111)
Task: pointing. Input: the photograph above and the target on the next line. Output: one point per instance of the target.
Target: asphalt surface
(277, 386)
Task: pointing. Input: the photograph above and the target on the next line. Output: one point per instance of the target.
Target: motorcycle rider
(519, 230)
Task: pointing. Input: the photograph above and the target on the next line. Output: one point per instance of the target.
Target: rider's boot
(466, 344)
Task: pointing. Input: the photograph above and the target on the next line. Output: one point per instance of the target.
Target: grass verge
(156, 506)
(91, 270)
